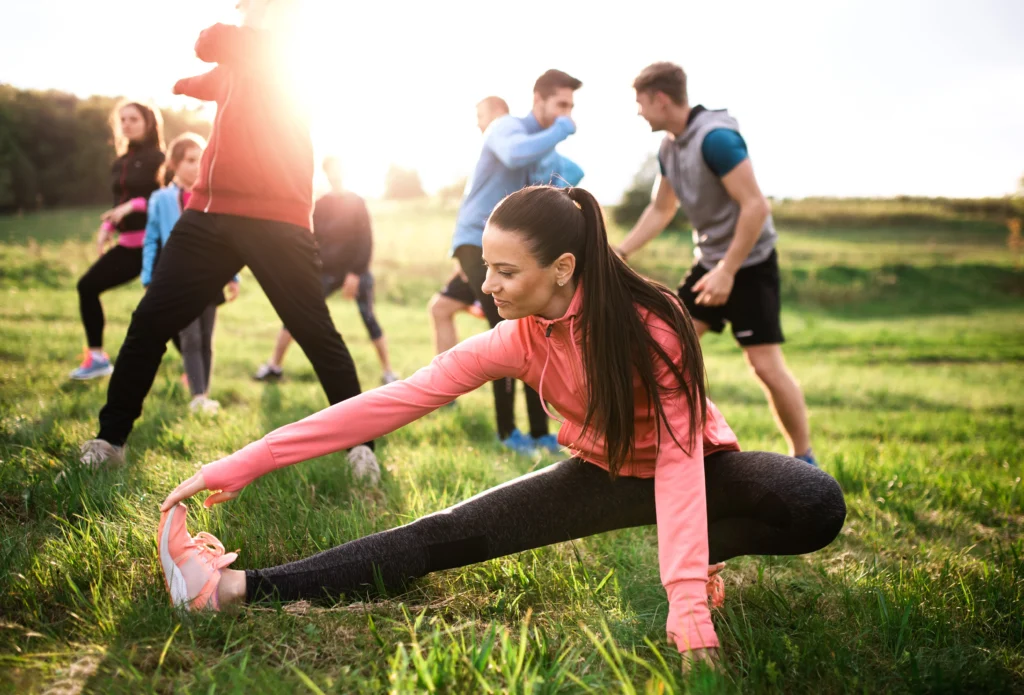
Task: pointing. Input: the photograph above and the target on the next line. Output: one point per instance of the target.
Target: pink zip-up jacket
(547, 355)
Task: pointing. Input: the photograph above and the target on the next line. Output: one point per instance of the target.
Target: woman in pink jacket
(618, 358)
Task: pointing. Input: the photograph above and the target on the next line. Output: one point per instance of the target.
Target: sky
(837, 98)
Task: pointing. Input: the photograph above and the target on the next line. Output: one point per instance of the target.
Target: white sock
(97, 354)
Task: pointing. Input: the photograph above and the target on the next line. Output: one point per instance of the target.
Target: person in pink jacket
(618, 357)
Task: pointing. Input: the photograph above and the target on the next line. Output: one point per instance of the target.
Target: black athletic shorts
(459, 290)
(752, 309)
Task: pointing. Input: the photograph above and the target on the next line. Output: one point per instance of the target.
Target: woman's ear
(565, 267)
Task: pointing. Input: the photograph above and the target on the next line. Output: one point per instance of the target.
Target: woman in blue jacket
(165, 206)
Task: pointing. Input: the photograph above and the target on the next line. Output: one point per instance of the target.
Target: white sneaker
(97, 452)
(205, 405)
(389, 377)
(267, 372)
(364, 464)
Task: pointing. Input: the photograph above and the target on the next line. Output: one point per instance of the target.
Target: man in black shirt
(341, 224)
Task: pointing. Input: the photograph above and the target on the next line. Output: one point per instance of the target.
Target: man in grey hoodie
(735, 278)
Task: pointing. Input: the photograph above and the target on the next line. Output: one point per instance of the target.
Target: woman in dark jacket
(138, 137)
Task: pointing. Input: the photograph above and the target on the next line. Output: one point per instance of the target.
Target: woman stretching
(618, 357)
(165, 207)
(139, 140)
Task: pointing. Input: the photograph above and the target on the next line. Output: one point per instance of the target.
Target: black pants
(116, 267)
(758, 504)
(202, 255)
(472, 262)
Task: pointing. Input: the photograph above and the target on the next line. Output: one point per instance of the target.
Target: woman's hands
(103, 236)
(193, 486)
(115, 215)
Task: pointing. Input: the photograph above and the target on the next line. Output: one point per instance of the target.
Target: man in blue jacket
(516, 153)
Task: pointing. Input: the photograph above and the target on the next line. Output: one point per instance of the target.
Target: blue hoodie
(516, 152)
(163, 212)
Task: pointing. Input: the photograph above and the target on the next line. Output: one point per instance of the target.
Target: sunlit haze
(844, 98)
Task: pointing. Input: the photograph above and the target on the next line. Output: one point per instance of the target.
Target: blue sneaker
(549, 442)
(809, 458)
(93, 367)
(519, 443)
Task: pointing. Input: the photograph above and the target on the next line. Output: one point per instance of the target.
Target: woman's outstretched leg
(758, 504)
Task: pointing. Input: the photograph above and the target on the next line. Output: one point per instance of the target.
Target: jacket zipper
(216, 151)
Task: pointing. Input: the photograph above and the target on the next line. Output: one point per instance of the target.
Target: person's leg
(442, 311)
(194, 266)
(454, 297)
(192, 355)
(754, 312)
(364, 301)
(116, 267)
(208, 321)
(284, 259)
(471, 260)
(758, 504)
(567, 500)
(785, 398)
(762, 503)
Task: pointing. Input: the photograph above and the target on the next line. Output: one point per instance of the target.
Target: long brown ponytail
(616, 342)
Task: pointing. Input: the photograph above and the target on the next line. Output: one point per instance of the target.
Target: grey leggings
(758, 504)
(197, 350)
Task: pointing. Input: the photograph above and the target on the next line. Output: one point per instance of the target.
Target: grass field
(909, 344)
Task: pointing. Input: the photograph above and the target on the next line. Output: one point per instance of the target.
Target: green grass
(909, 345)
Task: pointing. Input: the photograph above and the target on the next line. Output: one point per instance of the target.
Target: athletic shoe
(716, 585)
(191, 565)
(389, 377)
(519, 443)
(549, 442)
(364, 464)
(93, 367)
(475, 309)
(97, 452)
(205, 405)
(267, 372)
(809, 458)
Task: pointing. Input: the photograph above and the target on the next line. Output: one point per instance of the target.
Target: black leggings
(471, 259)
(116, 267)
(758, 504)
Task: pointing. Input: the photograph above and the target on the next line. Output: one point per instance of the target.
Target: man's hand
(714, 288)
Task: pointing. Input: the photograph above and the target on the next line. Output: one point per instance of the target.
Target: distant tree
(56, 149)
(638, 195)
(402, 184)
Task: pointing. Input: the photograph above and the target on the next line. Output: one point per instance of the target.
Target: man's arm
(742, 187)
(205, 87)
(656, 216)
(516, 149)
(715, 287)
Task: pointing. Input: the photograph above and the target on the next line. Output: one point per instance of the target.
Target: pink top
(547, 356)
(131, 239)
